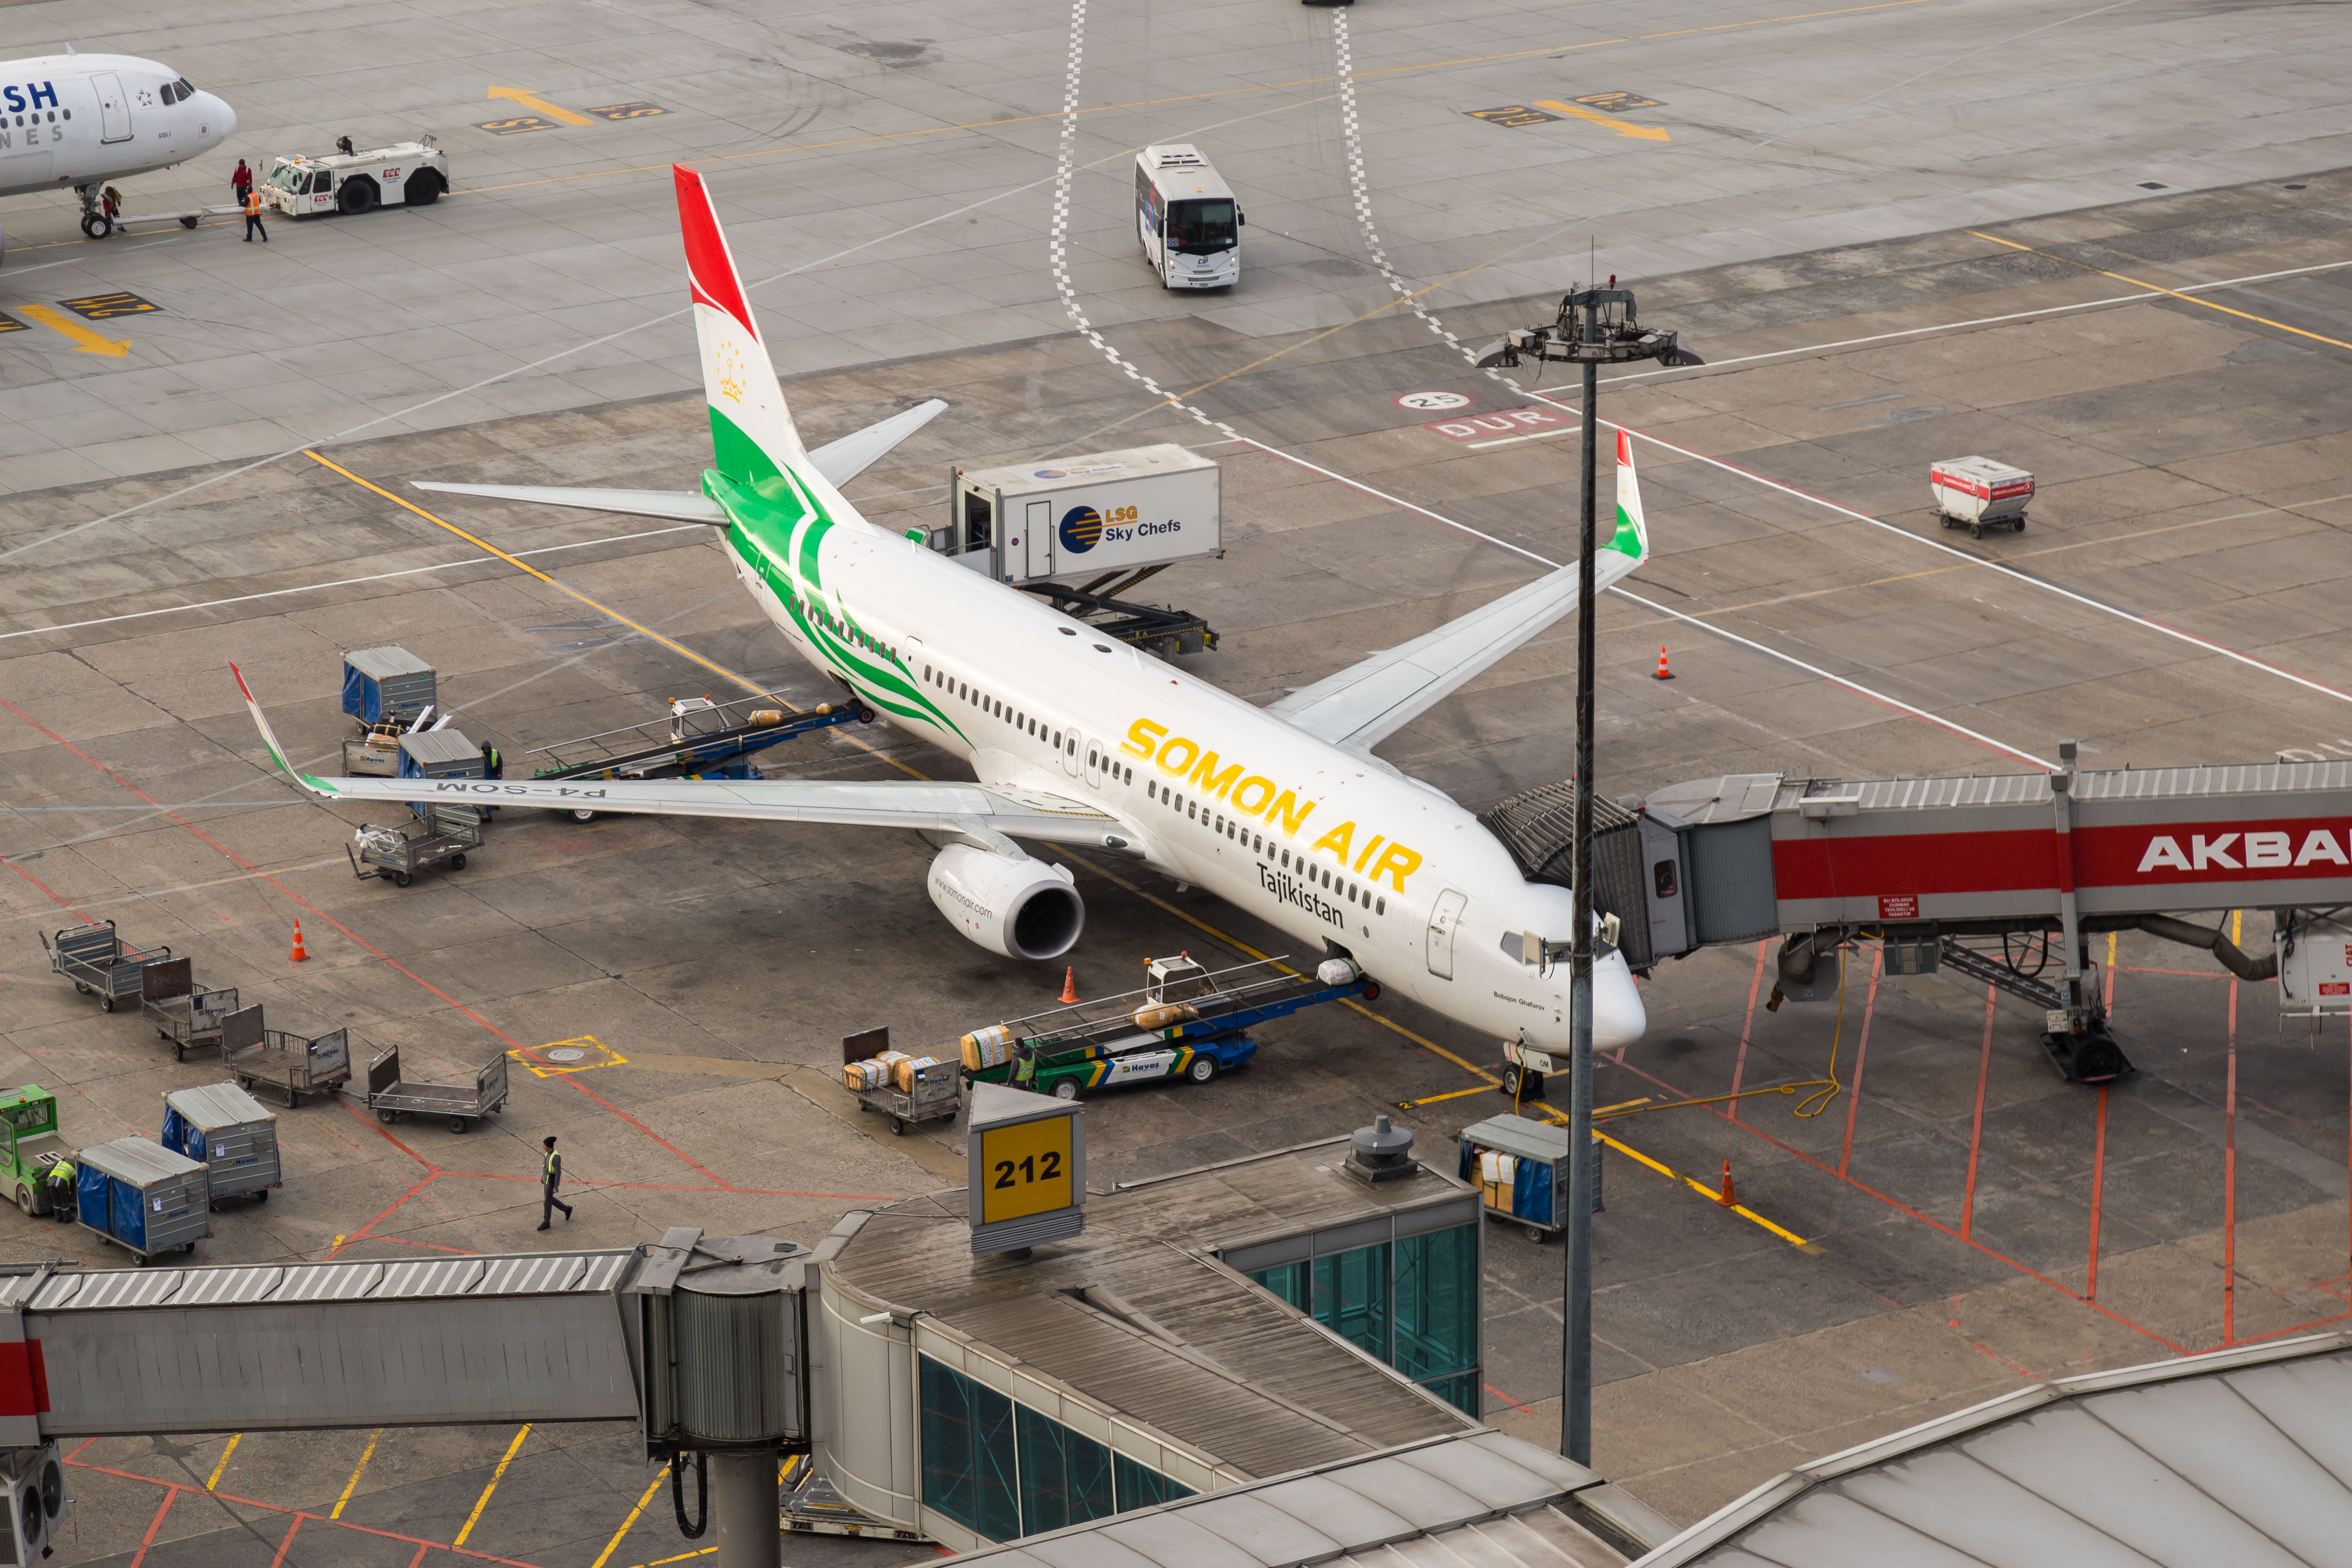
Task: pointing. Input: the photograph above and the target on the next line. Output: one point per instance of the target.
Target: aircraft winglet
(270, 738)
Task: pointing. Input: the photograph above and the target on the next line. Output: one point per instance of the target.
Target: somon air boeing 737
(1076, 740)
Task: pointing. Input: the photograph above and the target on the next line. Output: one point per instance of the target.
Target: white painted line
(349, 581)
(1687, 371)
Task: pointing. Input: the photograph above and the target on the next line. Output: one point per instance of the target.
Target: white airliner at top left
(78, 120)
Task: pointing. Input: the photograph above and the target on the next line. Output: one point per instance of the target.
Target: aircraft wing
(1370, 700)
(975, 809)
(839, 461)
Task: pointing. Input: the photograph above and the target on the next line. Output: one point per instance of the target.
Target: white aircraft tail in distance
(1078, 741)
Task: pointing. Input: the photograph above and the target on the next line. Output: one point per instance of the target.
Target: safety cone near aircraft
(1070, 987)
(300, 955)
(1727, 1197)
(1076, 740)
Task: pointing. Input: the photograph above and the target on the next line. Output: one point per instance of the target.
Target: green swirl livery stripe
(779, 532)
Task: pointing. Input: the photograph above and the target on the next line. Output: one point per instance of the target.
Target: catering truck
(1113, 512)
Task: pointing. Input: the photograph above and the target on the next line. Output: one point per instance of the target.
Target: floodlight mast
(1595, 327)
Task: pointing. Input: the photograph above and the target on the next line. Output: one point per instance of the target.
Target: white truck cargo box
(1978, 493)
(1083, 517)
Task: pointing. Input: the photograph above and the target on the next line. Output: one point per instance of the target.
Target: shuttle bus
(1187, 219)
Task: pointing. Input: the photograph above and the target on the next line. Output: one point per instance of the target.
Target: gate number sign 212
(1027, 1169)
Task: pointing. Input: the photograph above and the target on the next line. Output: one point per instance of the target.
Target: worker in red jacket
(241, 182)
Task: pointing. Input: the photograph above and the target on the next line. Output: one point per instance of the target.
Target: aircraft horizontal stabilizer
(684, 506)
(839, 461)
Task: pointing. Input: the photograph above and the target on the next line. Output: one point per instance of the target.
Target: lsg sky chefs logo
(1082, 530)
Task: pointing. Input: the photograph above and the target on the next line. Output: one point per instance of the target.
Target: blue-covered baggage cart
(1520, 1168)
(144, 1197)
(386, 684)
(232, 1133)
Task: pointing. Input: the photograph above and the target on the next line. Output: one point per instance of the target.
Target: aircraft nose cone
(219, 116)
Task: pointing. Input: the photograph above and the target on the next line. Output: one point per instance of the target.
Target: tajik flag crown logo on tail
(1633, 536)
(751, 430)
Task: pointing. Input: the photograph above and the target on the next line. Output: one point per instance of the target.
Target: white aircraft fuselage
(79, 120)
(1328, 845)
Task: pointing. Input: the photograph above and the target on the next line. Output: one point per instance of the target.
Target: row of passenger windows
(1217, 821)
(997, 707)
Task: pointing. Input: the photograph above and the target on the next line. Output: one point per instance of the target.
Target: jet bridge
(698, 1340)
(1937, 868)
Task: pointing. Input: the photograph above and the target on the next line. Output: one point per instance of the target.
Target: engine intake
(1014, 907)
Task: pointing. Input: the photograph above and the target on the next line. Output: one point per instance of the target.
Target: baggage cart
(1977, 493)
(1520, 1167)
(232, 1134)
(391, 1097)
(397, 855)
(184, 1014)
(98, 963)
(142, 1197)
(388, 684)
(934, 1091)
(294, 1064)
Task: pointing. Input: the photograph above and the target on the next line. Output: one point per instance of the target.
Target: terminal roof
(1136, 1314)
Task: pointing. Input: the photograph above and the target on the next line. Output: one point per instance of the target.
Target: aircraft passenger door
(1074, 753)
(1039, 530)
(114, 108)
(1443, 921)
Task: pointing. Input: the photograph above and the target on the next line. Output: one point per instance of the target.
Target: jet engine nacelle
(1016, 908)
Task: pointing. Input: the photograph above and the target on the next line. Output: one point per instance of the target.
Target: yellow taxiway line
(2160, 288)
(84, 339)
(1622, 128)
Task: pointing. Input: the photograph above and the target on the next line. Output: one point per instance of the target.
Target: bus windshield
(1196, 228)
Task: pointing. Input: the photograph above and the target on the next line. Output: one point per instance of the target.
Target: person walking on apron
(550, 1176)
(253, 223)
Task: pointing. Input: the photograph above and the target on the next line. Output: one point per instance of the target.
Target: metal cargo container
(442, 754)
(382, 683)
(144, 1197)
(233, 1133)
(1083, 517)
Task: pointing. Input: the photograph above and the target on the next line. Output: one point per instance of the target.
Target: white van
(1189, 225)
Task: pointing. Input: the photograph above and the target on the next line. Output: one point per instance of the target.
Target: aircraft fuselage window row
(1217, 821)
(1027, 723)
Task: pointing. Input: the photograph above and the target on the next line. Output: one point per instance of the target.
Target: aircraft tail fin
(751, 430)
(1633, 536)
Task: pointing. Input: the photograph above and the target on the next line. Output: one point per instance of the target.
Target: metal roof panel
(328, 1281)
(220, 1286)
(214, 1106)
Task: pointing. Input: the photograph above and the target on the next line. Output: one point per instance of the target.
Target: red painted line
(419, 1557)
(278, 1561)
(2098, 1191)
(1991, 1354)
(2230, 1183)
(1503, 1396)
(2282, 1333)
(380, 1130)
(1740, 1067)
(51, 892)
(171, 1496)
(422, 1183)
(76, 1454)
(1975, 1133)
(1902, 1208)
(1860, 1053)
(302, 1514)
(724, 1184)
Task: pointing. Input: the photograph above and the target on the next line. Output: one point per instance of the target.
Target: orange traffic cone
(1069, 986)
(300, 955)
(1663, 672)
(1726, 1198)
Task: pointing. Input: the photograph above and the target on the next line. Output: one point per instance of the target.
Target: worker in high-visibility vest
(62, 1177)
(253, 224)
(550, 1176)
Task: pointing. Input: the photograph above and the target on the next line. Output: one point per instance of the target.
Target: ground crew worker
(110, 200)
(550, 1176)
(344, 145)
(241, 182)
(253, 219)
(494, 766)
(63, 1202)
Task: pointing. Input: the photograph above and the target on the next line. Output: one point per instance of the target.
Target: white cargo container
(1977, 493)
(1083, 517)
